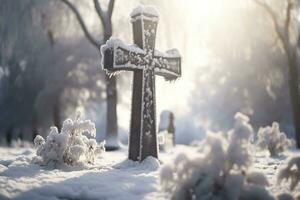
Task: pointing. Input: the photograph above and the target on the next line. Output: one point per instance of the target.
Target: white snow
(291, 172)
(121, 50)
(111, 177)
(141, 9)
(221, 166)
(171, 53)
(115, 42)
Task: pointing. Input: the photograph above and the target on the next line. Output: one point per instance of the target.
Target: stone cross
(145, 62)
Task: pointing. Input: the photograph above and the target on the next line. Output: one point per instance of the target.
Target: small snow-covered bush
(273, 140)
(238, 139)
(74, 145)
(216, 169)
(291, 172)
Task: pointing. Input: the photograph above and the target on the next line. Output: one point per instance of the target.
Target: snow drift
(217, 169)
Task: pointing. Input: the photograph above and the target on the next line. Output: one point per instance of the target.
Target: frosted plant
(273, 140)
(291, 172)
(239, 138)
(216, 169)
(74, 145)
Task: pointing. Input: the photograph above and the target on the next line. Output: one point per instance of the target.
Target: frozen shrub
(273, 140)
(239, 139)
(216, 169)
(291, 172)
(74, 145)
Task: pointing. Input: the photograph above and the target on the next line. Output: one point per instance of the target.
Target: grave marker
(145, 62)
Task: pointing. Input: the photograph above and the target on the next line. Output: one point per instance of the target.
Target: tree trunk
(9, 133)
(111, 137)
(34, 127)
(112, 142)
(294, 95)
(56, 114)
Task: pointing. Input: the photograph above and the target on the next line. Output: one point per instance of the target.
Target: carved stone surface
(146, 62)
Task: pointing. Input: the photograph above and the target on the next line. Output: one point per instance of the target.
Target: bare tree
(282, 31)
(111, 92)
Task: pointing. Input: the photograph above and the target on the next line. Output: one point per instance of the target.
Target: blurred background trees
(44, 75)
(105, 17)
(289, 45)
(232, 61)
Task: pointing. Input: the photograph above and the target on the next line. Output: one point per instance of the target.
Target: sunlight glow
(194, 16)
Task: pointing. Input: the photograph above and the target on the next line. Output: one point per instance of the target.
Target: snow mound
(74, 145)
(272, 139)
(149, 164)
(257, 178)
(148, 10)
(217, 169)
(2, 168)
(239, 138)
(291, 172)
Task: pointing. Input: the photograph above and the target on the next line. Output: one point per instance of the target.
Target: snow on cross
(145, 62)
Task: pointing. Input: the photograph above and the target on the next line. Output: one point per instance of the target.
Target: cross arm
(117, 56)
(168, 64)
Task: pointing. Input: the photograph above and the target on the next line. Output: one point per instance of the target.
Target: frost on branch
(273, 140)
(74, 145)
(216, 169)
(291, 172)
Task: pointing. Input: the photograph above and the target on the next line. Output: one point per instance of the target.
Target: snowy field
(111, 177)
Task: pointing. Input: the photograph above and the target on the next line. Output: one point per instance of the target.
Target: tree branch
(110, 8)
(288, 19)
(100, 12)
(104, 15)
(88, 35)
(276, 26)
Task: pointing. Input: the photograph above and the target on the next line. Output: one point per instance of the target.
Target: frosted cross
(145, 62)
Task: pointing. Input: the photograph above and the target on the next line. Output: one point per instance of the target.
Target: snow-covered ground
(111, 177)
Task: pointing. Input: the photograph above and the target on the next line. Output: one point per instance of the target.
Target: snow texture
(131, 57)
(134, 53)
(145, 10)
(218, 169)
(273, 139)
(207, 170)
(74, 145)
(113, 42)
(111, 177)
(291, 172)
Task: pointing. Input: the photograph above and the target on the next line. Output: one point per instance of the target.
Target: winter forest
(150, 99)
